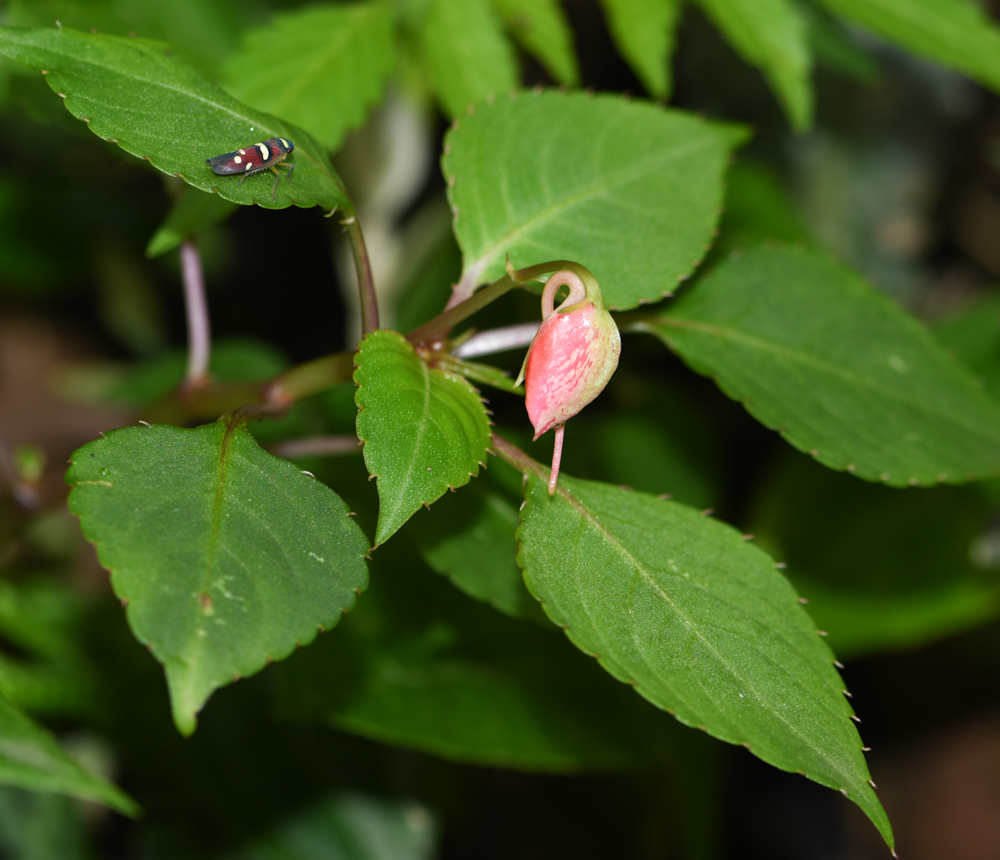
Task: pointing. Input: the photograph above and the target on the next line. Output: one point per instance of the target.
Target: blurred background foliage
(862, 148)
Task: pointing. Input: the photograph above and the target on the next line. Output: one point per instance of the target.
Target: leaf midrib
(634, 171)
(632, 561)
(804, 358)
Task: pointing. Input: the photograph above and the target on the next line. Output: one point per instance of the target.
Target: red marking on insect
(260, 156)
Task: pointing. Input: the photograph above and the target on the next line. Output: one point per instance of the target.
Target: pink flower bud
(571, 358)
(573, 354)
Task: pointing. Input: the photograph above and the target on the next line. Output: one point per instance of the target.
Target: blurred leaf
(772, 35)
(972, 335)
(40, 826)
(349, 827)
(645, 33)
(465, 54)
(628, 190)
(430, 268)
(957, 33)
(227, 558)
(421, 667)
(645, 454)
(683, 609)
(233, 360)
(42, 666)
(540, 26)
(31, 758)
(139, 94)
(424, 431)
(191, 214)
(204, 31)
(469, 537)
(882, 569)
(758, 208)
(322, 67)
(836, 48)
(836, 367)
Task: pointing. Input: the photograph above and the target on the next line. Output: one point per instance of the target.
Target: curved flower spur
(571, 358)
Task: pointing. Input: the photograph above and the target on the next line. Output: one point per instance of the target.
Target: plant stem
(497, 340)
(210, 401)
(317, 446)
(199, 329)
(366, 281)
(517, 458)
(437, 329)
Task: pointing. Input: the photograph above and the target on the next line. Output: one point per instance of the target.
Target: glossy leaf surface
(424, 431)
(837, 368)
(957, 33)
(465, 54)
(322, 67)
(772, 35)
(698, 621)
(227, 558)
(627, 189)
(30, 757)
(140, 95)
(645, 32)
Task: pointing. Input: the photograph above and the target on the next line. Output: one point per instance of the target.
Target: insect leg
(288, 175)
(276, 177)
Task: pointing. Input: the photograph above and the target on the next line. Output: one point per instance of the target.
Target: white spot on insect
(265, 153)
(897, 364)
(238, 160)
(284, 142)
(313, 555)
(243, 152)
(249, 165)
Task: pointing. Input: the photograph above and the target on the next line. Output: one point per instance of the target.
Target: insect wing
(239, 161)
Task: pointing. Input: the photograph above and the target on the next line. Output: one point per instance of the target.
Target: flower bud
(573, 354)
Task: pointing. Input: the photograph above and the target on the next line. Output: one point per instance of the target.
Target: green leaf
(227, 558)
(957, 33)
(839, 370)
(883, 570)
(465, 55)
(203, 31)
(194, 212)
(419, 666)
(469, 537)
(322, 67)
(487, 374)
(645, 34)
(772, 35)
(698, 621)
(424, 431)
(140, 95)
(348, 827)
(31, 758)
(624, 188)
(972, 335)
(540, 26)
(758, 208)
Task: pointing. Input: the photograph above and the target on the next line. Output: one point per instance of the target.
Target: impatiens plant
(236, 519)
